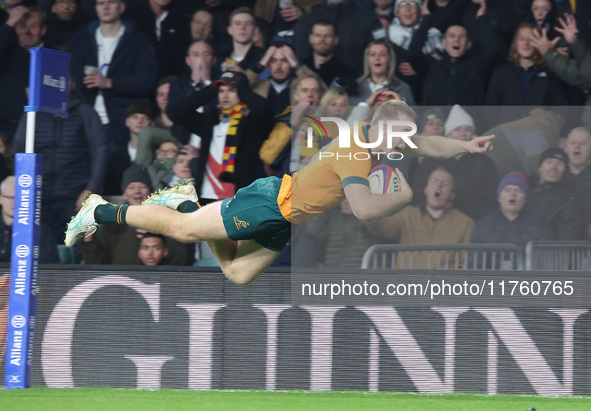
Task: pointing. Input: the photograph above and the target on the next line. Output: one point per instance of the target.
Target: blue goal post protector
(24, 263)
(48, 93)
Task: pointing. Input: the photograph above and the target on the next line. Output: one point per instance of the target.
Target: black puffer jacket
(74, 151)
(454, 81)
(581, 187)
(554, 202)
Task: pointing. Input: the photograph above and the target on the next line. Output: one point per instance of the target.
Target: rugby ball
(383, 179)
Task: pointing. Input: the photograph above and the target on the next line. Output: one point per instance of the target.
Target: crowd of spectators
(216, 92)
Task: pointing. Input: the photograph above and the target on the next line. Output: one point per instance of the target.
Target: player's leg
(201, 225)
(242, 261)
(204, 224)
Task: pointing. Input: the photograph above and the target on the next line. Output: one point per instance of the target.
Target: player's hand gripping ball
(383, 179)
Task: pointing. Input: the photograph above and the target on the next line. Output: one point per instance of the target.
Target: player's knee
(239, 278)
(186, 238)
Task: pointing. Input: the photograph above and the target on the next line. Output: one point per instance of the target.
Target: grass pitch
(103, 399)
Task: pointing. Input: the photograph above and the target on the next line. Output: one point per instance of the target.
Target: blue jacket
(506, 88)
(453, 81)
(496, 228)
(74, 151)
(133, 71)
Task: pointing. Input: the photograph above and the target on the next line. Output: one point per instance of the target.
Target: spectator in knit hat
(511, 223)
(552, 198)
(407, 23)
(476, 175)
(432, 122)
(459, 124)
(117, 244)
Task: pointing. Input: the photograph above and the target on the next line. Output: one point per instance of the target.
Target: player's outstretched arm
(366, 205)
(443, 147)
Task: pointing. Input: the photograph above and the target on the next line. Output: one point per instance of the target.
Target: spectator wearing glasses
(47, 244)
(407, 22)
(24, 28)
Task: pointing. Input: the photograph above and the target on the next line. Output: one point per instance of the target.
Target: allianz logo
(56, 83)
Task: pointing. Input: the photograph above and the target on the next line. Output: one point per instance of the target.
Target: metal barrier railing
(444, 257)
(558, 255)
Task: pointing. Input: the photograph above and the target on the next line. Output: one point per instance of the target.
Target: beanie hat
(514, 178)
(458, 117)
(554, 152)
(136, 174)
(431, 112)
(419, 4)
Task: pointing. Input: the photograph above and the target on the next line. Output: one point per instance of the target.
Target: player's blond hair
(393, 110)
